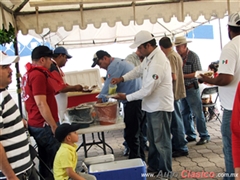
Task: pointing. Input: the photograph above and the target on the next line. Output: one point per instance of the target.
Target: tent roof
(39, 14)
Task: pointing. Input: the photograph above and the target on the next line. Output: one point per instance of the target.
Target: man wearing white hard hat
(227, 80)
(15, 158)
(157, 100)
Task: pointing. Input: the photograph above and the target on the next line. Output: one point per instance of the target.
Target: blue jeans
(192, 105)
(179, 143)
(48, 146)
(159, 137)
(227, 142)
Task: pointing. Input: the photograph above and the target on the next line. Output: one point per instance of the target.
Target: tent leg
(18, 77)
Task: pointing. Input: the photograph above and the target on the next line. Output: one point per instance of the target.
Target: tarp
(39, 14)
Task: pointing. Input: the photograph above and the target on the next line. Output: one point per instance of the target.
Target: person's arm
(174, 77)
(70, 88)
(189, 76)
(5, 166)
(220, 80)
(237, 173)
(73, 175)
(44, 109)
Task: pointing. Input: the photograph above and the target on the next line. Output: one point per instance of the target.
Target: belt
(189, 86)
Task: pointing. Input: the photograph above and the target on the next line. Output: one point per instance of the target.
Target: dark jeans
(47, 148)
(132, 133)
(30, 174)
(143, 130)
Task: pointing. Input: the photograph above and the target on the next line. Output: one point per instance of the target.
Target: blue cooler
(130, 169)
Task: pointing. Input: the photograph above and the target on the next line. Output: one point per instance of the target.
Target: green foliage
(7, 36)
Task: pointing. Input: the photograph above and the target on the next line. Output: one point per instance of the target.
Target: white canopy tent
(36, 15)
(119, 33)
(85, 17)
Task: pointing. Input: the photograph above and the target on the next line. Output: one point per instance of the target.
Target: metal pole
(220, 32)
(18, 75)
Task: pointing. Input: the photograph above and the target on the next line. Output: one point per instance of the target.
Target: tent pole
(220, 32)
(18, 75)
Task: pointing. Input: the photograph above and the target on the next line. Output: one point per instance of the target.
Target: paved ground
(205, 158)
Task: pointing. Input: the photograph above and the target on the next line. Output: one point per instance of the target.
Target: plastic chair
(210, 106)
(34, 154)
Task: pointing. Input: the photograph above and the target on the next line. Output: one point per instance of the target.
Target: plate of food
(112, 95)
(206, 73)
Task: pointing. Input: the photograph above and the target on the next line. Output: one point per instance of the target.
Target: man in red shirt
(39, 97)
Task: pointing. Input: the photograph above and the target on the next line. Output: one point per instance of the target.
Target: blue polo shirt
(117, 68)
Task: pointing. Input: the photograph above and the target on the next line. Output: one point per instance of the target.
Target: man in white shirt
(227, 80)
(157, 100)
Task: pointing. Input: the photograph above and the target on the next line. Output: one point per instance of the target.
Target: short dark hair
(234, 29)
(165, 42)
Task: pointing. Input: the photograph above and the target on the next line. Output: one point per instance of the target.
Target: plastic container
(88, 77)
(130, 169)
(80, 114)
(107, 113)
(99, 159)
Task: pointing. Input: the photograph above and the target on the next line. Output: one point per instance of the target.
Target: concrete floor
(204, 158)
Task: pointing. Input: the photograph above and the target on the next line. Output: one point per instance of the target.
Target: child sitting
(65, 161)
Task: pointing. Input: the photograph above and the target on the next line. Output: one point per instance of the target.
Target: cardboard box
(130, 169)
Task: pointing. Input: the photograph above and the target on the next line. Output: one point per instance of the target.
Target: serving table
(99, 129)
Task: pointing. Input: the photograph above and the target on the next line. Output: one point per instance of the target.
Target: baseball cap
(99, 55)
(64, 129)
(41, 51)
(62, 50)
(5, 59)
(140, 38)
(234, 19)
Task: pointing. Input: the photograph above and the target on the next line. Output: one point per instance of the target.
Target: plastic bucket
(106, 112)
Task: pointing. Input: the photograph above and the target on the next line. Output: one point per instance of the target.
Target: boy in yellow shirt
(65, 161)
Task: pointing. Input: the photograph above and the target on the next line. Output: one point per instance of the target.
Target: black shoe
(126, 151)
(202, 141)
(152, 171)
(189, 139)
(179, 153)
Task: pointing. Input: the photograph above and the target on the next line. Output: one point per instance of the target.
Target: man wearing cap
(179, 143)
(60, 57)
(192, 103)
(157, 100)
(132, 110)
(227, 80)
(15, 161)
(41, 106)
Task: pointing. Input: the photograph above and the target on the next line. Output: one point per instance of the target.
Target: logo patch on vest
(155, 76)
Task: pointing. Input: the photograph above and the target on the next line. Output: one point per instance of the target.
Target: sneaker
(179, 153)
(190, 139)
(202, 141)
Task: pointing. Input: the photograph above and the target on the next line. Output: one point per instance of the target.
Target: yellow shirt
(65, 157)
